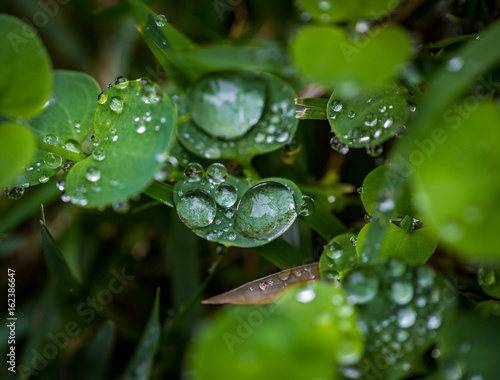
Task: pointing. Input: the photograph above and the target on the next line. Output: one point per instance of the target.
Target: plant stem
(449, 41)
(161, 192)
(172, 325)
(248, 170)
(66, 154)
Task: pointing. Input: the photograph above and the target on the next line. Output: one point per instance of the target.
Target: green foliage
(464, 219)
(17, 147)
(327, 55)
(338, 256)
(26, 78)
(133, 130)
(274, 342)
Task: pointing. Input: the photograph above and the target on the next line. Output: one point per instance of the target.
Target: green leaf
(133, 128)
(26, 78)
(401, 307)
(223, 209)
(324, 222)
(141, 364)
(338, 255)
(338, 10)
(97, 355)
(466, 346)
(65, 122)
(327, 55)
(478, 57)
(415, 246)
(227, 105)
(282, 254)
(457, 182)
(17, 147)
(68, 291)
(167, 45)
(274, 128)
(273, 342)
(374, 200)
(367, 119)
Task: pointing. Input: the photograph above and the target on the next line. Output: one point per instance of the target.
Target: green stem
(170, 327)
(248, 170)
(449, 41)
(161, 192)
(65, 154)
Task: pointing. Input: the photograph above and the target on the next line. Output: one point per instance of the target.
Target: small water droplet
(121, 206)
(161, 20)
(53, 161)
(371, 120)
(455, 64)
(99, 154)
(61, 184)
(336, 105)
(102, 98)
(338, 146)
(14, 192)
(194, 172)
(51, 139)
(226, 195)
(93, 174)
(116, 104)
(216, 173)
(307, 206)
(121, 82)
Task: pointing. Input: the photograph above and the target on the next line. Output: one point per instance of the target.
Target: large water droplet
(402, 292)
(360, 287)
(216, 173)
(265, 211)
(407, 317)
(53, 161)
(196, 209)
(99, 154)
(51, 139)
(13, 192)
(226, 195)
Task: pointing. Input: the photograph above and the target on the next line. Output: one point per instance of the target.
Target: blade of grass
(161, 192)
(141, 364)
(283, 254)
(97, 355)
(326, 224)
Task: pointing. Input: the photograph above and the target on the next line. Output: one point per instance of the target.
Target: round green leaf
(338, 10)
(133, 128)
(232, 212)
(16, 150)
(26, 78)
(415, 246)
(65, 122)
(374, 200)
(305, 336)
(457, 181)
(338, 255)
(327, 55)
(364, 121)
(400, 310)
(275, 127)
(227, 105)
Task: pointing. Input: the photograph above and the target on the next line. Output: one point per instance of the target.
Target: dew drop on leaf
(161, 20)
(196, 209)
(307, 206)
(216, 173)
(225, 195)
(265, 211)
(116, 104)
(53, 161)
(51, 139)
(102, 98)
(194, 172)
(93, 174)
(13, 192)
(99, 154)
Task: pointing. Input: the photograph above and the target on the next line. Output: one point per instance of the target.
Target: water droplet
(68, 164)
(61, 184)
(455, 64)
(334, 250)
(116, 104)
(51, 139)
(93, 174)
(121, 206)
(13, 192)
(102, 98)
(265, 211)
(307, 206)
(306, 295)
(53, 161)
(371, 120)
(374, 150)
(73, 146)
(338, 146)
(140, 127)
(351, 114)
(292, 147)
(225, 195)
(43, 179)
(407, 317)
(96, 141)
(161, 20)
(388, 122)
(402, 292)
(360, 287)
(336, 105)
(452, 369)
(121, 82)
(353, 240)
(284, 275)
(196, 209)
(194, 172)
(216, 173)
(99, 154)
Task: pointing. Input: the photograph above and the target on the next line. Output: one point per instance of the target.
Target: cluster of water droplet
(222, 208)
(338, 256)
(401, 306)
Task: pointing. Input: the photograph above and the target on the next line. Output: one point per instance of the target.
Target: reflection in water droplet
(336, 106)
(216, 173)
(225, 195)
(338, 146)
(196, 209)
(307, 206)
(194, 172)
(53, 161)
(161, 20)
(265, 211)
(13, 192)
